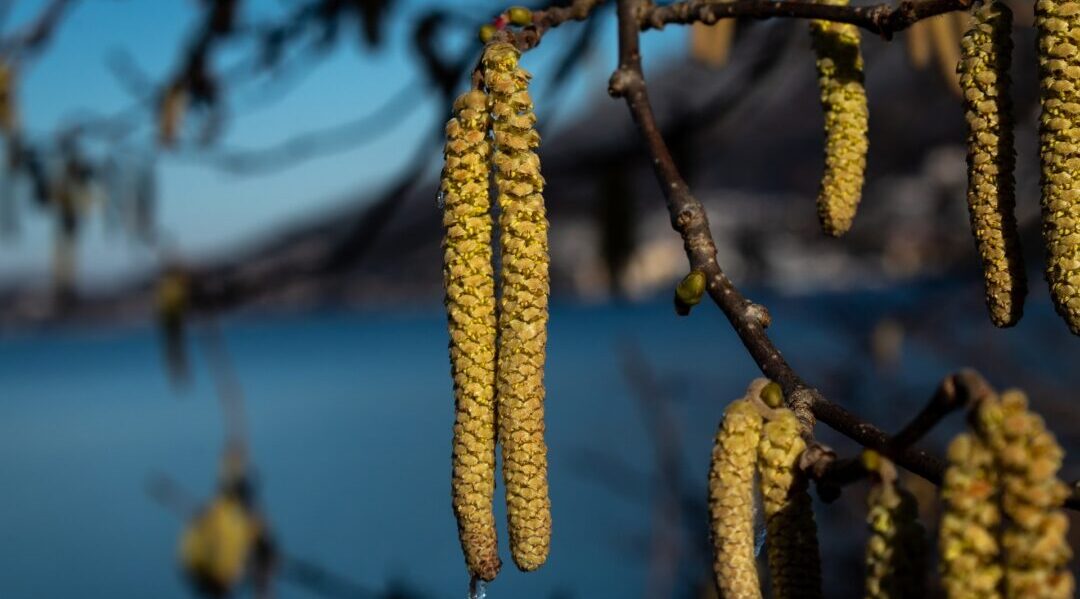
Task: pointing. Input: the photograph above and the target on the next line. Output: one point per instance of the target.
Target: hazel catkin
(894, 564)
(984, 78)
(470, 308)
(523, 307)
(967, 539)
(843, 98)
(791, 534)
(1057, 22)
(1027, 459)
(731, 501)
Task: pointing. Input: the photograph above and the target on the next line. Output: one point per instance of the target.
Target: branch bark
(882, 19)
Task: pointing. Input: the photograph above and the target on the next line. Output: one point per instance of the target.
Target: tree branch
(750, 320)
(883, 19)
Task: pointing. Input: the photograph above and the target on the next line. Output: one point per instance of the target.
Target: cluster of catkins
(985, 57)
(1003, 533)
(497, 355)
(758, 434)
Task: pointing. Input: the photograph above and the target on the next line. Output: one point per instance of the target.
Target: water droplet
(477, 589)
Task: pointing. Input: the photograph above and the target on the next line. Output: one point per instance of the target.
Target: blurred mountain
(749, 139)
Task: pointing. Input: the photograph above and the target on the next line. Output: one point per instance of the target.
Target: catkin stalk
(967, 540)
(470, 309)
(523, 307)
(1027, 458)
(984, 77)
(791, 535)
(731, 501)
(1059, 71)
(840, 79)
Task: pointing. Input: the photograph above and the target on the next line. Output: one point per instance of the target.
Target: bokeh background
(297, 195)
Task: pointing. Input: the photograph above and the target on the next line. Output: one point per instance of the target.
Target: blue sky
(205, 211)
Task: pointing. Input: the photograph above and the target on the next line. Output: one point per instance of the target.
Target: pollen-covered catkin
(791, 535)
(967, 541)
(470, 309)
(1027, 458)
(1058, 22)
(894, 565)
(731, 501)
(523, 307)
(840, 80)
(984, 77)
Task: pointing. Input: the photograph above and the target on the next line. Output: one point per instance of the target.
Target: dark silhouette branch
(36, 35)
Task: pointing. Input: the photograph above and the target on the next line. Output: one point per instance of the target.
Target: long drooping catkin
(984, 78)
(470, 308)
(968, 544)
(840, 79)
(1059, 72)
(1027, 458)
(523, 306)
(731, 501)
(791, 541)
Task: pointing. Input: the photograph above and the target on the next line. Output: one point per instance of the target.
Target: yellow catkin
(967, 540)
(217, 544)
(791, 535)
(1027, 458)
(840, 79)
(897, 542)
(731, 501)
(1059, 70)
(984, 77)
(470, 308)
(523, 307)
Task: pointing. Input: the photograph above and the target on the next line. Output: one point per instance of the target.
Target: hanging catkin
(840, 79)
(894, 566)
(1027, 458)
(1059, 72)
(984, 77)
(731, 501)
(791, 535)
(523, 308)
(968, 544)
(470, 309)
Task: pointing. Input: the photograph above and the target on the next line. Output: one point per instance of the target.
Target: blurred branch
(229, 391)
(36, 35)
(313, 144)
(665, 546)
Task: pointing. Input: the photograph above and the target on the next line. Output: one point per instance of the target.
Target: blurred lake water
(350, 417)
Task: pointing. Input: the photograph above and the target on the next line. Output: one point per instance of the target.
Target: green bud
(520, 16)
(871, 460)
(689, 291)
(487, 32)
(772, 395)
(691, 288)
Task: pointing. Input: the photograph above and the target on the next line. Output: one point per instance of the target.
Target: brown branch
(549, 18)
(750, 320)
(883, 19)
